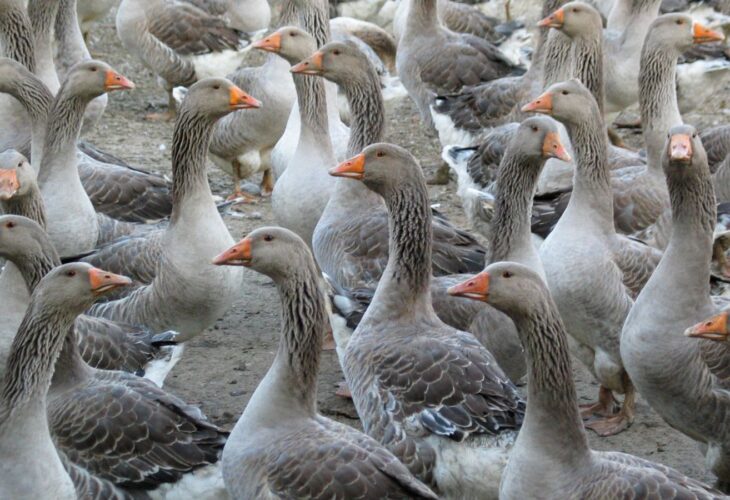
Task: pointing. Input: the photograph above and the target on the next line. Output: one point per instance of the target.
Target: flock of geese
(593, 249)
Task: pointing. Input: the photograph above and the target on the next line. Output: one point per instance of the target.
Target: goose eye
(564, 92)
(336, 52)
(93, 68)
(694, 135)
(534, 128)
(507, 274)
(216, 87)
(680, 22)
(576, 9)
(70, 274)
(20, 164)
(268, 237)
(292, 34)
(379, 154)
(10, 225)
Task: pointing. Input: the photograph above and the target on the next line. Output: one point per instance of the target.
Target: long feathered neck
(29, 205)
(70, 367)
(557, 58)
(33, 355)
(693, 221)
(190, 141)
(37, 100)
(657, 98)
(367, 108)
(516, 181)
(62, 132)
(422, 17)
(552, 417)
(408, 273)
(42, 15)
(69, 37)
(591, 182)
(15, 31)
(548, 7)
(588, 60)
(304, 323)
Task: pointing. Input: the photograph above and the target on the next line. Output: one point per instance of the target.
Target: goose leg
(267, 183)
(604, 407)
(610, 426)
(237, 193)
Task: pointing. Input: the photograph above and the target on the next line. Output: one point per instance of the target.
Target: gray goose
(179, 42)
(36, 470)
(103, 343)
(431, 394)
(350, 241)
(118, 191)
(683, 379)
(432, 60)
(593, 273)
(177, 255)
(551, 458)
(322, 458)
(510, 238)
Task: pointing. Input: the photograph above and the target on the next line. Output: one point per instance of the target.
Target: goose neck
(408, 272)
(36, 99)
(72, 48)
(33, 355)
(42, 14)
(314, 18)
(422, 17)
(304, 323)
(62, 134)
(70, 368)
(552, 417)
(557, 60)
(588, 60)
(657, 99)
(368, 111)
(15, 29)
(511, 228)
(29, 205)
(312, 101)
(190, 141)
(591, 183)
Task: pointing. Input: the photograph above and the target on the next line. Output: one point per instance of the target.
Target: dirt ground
(221, 368)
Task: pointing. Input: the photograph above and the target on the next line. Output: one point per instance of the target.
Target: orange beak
(714, 328)
(554, 20)
(703, 34)
(9, 183)
(543, 104)
(354, 168)
(553, 148)
(115, 81)
(238, 255)
(103, 281)
(476, 288)
(241, 100)
(312, 65)
(680, 147)
(271, 43)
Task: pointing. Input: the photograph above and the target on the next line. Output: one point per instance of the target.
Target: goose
(593, 273)
(429, 393)
(338, 238)
(279, 423)
(244, 15)
(36, 470)
(551, 457)
(121, 192)
(72, 222)
(178, 253)
(242, 142)
(307, 172)
(681, 378)
(375, 37)
(179, 42)
(432, 60)
(90, 12)
(310, 16)
(104, 344)
(455, 16)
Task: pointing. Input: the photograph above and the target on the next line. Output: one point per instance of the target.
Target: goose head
(75, 287)
(289, 42)
(273, 251)
(20, 237)
(90, 79)
(12, 73)
(714, 328)
(574, 19)
(216, 97)
(684, 153)
(568, 102)
(335, 61)
(678, 32)
(510, 287)
(538, 137)
(17, 176)
(380, 166)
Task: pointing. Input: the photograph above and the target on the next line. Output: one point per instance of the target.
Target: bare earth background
(222, 367)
